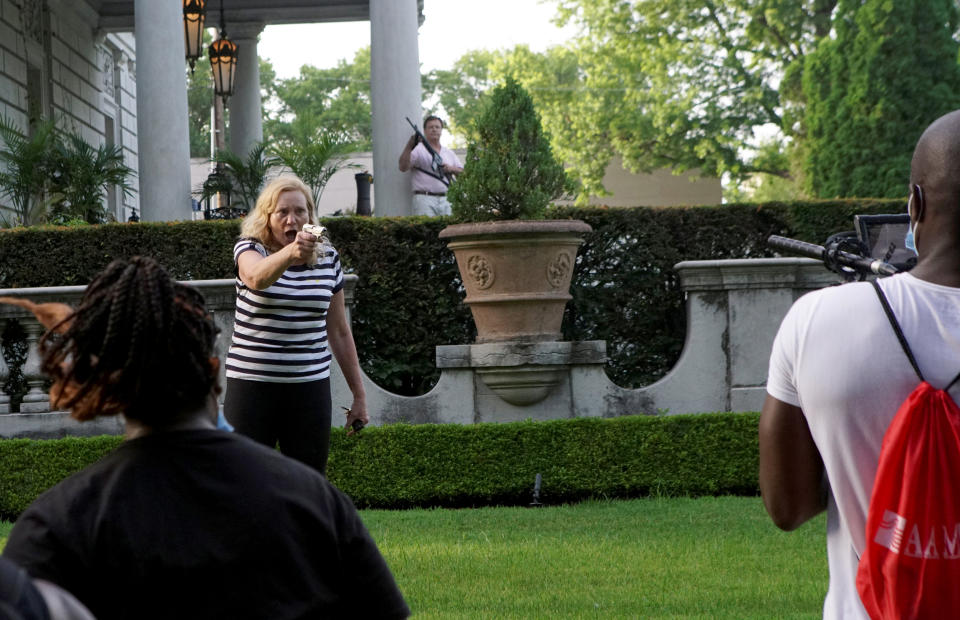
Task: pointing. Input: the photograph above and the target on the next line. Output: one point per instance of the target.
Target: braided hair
(139, 344)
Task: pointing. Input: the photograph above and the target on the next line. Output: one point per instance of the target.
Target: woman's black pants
(294, 415)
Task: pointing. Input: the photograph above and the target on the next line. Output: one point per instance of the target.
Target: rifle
(436, 166)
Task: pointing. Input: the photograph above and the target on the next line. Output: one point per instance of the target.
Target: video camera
(874, 247)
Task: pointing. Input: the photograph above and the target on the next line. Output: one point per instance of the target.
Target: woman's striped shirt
(280, 333)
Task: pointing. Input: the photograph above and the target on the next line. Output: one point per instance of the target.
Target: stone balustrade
(733, 310)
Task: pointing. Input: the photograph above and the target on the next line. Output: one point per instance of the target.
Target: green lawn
(707, 558)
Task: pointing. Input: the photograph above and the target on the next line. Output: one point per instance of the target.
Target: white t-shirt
(837, 358)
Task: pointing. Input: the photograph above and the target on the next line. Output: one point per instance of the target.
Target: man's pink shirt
(420, 158)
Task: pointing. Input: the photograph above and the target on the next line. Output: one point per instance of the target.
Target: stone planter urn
(517, 275)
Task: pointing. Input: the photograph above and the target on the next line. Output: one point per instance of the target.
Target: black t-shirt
(204, 524)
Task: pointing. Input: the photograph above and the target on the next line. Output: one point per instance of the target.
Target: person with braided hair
(290, 316)
(182, 519)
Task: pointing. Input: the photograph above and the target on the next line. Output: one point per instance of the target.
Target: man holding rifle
(838, 373)
(434, 167)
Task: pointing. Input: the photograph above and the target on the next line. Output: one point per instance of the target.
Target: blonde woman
(290, 316)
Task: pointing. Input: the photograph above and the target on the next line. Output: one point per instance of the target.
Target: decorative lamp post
(194, 14)
(223, 61)
(217, 184)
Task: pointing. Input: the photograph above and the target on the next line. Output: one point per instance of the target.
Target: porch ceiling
(117, 15)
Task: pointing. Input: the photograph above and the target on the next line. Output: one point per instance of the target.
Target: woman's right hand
(302, 249)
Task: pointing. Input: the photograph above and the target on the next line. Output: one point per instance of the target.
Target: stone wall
(734, 308)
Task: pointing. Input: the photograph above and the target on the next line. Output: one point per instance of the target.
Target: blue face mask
(908, 241)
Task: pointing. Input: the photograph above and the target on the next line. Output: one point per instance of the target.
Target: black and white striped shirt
(280, 333)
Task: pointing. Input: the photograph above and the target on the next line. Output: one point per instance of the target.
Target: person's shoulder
(830, 304)
(249, 243)
(839, 293)
(907, 283)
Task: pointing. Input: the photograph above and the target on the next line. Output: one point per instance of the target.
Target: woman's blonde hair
(257, 223)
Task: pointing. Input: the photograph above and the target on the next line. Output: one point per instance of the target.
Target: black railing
(225, 213)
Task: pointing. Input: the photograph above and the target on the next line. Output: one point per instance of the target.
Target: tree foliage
(718, 86)
(322, 99)
(686, 84)
(199, 102)
(871, 90)
(459, 90)
(763, 91)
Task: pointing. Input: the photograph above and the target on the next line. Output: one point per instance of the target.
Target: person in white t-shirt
(430, 185)
(838, 374)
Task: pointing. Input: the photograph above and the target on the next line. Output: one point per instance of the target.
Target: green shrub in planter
(510, 171)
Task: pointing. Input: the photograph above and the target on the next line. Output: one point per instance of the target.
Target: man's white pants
(430, 205)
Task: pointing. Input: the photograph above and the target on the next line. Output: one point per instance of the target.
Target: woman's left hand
(357, 412)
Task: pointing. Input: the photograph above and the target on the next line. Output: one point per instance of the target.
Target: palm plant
(80, 177)
(244, 175)
(25, 171)
(315, 155)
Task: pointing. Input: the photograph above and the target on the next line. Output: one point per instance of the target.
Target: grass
(649, 558)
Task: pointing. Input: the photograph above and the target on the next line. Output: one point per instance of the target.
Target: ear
(919, 204)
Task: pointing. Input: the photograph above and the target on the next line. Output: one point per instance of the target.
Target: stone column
(36, 400)
(394, 94)
(4, 372)
(162, 132)
(246, 117)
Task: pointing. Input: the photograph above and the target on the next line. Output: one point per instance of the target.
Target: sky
(450, 29)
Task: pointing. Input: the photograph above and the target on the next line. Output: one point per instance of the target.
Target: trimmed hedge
(29, 467)
(626, 291)
(402, 466)
(64, 256)
(409, 296)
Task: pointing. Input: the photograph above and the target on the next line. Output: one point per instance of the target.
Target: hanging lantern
(194, 14)
(223, 61)
(219, 186)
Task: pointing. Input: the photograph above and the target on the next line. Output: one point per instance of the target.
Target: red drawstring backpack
(911, 564)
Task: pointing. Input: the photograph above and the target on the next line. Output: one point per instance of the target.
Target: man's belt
(423, 193)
